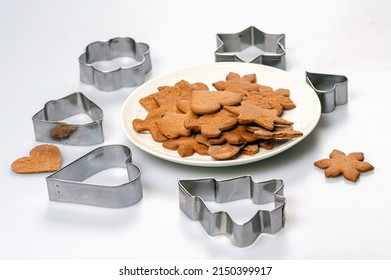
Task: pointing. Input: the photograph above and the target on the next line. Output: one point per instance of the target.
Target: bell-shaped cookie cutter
(331, 89)
(122, 76)
(66, 185)
(251, 45)
(193, 193)
(50, 127)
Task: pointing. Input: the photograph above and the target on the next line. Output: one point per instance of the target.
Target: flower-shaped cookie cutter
(66, 185)
(331, 89)
(251, 45)
(49, 124)
(193, 193)
(122, 76)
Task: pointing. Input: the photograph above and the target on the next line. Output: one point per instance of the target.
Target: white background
(325, 218)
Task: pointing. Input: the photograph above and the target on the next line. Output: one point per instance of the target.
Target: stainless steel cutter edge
(192, 194)
(331, 89)
(122, 76)
(50, 119)
(230, 44)
(66, 185)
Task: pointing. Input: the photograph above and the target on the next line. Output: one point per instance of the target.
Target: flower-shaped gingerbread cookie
(349, 165)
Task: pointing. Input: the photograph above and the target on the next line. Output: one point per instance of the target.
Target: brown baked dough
(43, 158)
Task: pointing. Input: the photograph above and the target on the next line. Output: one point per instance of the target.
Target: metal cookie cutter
(122, 76)
(332, 90)
(66, 185)
(192, 194)
(49, 126)
(252, 45)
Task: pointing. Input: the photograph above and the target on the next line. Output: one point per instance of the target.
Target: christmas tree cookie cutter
(193, 193)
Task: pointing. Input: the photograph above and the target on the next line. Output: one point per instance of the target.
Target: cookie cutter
(122, 76)
(50, 127)
(331, 89)
(66, 185)
(192, 194)
(251, 45)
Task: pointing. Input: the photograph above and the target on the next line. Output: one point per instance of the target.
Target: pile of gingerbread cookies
(239, 116)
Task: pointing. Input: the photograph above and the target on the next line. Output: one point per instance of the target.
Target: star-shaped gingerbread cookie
(270, 99)
(248, 113)
(238, 84)
(350, 166)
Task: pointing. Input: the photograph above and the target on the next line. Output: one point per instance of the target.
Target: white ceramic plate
(305, 116)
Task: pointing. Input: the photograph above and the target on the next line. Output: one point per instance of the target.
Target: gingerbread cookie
(181, 90)
(148, 102)
(224, 151)
(212, 125)
(172, 124)
(250, 149)
(209, 102)
(270, 100)
(238, 84)
(150, 122)
(236, 136)
(43, 158)
(238, 118)
(62, 131)
(266, 144)
(186, 146)
(248, 113)
(276, 133)
(349, 165)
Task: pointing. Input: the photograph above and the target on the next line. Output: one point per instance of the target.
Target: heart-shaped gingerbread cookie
(43, 158)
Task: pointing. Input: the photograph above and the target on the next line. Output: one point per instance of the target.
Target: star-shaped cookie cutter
(331, 89)
(251, 45)
(122, 76)
(66, 185)
(193, 193)
(49, 124)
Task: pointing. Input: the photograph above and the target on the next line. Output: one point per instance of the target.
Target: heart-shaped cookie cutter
(122, 76)
(66, 185)
(193, 193)
(251, 45)
(50, 127)
(331, 89)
